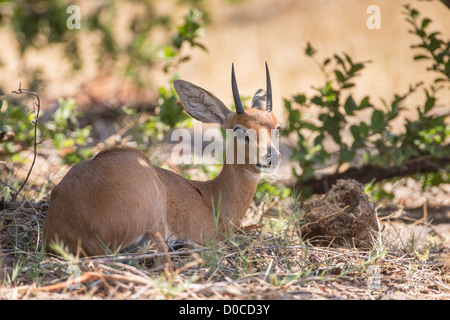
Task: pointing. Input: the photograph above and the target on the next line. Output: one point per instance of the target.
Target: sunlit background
(246, 32)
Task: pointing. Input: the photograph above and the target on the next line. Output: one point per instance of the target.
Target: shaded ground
(409, 259)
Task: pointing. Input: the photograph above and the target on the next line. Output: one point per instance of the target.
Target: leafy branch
(433, 47)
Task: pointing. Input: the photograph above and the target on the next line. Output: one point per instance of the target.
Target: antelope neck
(237, 184)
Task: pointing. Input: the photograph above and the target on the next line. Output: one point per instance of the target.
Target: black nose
(269, 155)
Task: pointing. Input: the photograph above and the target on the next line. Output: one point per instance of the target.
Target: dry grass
(268, 261)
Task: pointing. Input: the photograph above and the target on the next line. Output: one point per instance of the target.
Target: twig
(141, 256)
(168, 267)
(35, 122)
(91, 276)
(191, 264)
(328, 216)
(6, 205)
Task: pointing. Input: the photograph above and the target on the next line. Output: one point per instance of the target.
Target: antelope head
(254, 130)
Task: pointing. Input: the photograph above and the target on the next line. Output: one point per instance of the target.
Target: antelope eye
(241, 132)
(277, 132)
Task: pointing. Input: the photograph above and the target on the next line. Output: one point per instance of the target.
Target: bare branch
(36, 110)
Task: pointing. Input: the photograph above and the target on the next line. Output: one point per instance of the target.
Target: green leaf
(347, 154)
(429, 104)
(309, 51)
(317, 100)
(356, 67)
(377, 121)
(350, 106)
(309, 126)
(419, 57)
(300, 98)
(294, 116)
(356, 132)
(318, 140)
(364, 103)
(339, 61)
(348, 58)
(348, 85)
(339, 76)
(436, 179)
(364, 128)
(425, 22)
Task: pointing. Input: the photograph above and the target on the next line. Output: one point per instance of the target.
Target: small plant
(432, 46)
(11, 279)
(16, 119)
(274, 190)
(168, 112)
(63, 129)
(66, 134)
(333, 118)
(187, 33)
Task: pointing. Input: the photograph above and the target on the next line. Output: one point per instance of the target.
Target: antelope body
(118, 198)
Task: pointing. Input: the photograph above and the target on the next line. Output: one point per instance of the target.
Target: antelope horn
(268, 90)
(236, 97)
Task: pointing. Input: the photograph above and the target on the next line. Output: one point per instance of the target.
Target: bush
(423, 140)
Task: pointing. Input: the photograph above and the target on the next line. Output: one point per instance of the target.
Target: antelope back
(110, 201)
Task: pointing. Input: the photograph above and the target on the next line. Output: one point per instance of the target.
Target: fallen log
(368, 172)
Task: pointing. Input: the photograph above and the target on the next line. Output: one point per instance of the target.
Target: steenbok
(119, 199)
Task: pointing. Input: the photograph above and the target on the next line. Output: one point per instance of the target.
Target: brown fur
(113, 199)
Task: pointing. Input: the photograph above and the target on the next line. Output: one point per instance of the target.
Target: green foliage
(132, 52)
(37, 24)
(275, 191)
(374, 140)
(63, 129)
(434, 48)
(189, 32)
(336, 108)
(16, 119)
(66, 134)
(376, 191)
(169, 114)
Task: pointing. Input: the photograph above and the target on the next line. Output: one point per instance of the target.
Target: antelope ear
(200, 104)
(259, 100)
